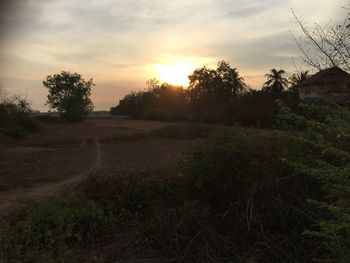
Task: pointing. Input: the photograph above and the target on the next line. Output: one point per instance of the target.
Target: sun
(175, 73)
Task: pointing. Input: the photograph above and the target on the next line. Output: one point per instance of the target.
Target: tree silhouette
(325, 46)
(157, 102)
(215, 85)
(275, 83)
(233, 84)
(298, 77)
(69, 94)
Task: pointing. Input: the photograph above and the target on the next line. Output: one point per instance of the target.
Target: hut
(331, 82)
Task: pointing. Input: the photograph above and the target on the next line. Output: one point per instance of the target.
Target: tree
(325, 46)
(299, 77)
(275, 83)
(296, 79)
(69, 94)
(215, 85)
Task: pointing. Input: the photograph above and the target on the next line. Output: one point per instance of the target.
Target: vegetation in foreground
(279, 196)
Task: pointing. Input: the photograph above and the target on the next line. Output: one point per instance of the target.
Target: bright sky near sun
(122, 43)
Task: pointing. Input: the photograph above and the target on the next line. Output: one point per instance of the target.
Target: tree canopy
(299, 77)
(275, 83)
(69, 94)
(216, 85)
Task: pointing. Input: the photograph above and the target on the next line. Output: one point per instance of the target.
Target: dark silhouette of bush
(16, 117)
(158, 102)
(258, 188)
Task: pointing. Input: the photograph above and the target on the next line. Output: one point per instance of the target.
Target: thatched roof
(334, 78)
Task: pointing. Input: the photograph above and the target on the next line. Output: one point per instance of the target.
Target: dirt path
(98, 160)
(56, 160)
(16, 200)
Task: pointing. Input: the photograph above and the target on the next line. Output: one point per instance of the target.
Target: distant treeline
(214, 95)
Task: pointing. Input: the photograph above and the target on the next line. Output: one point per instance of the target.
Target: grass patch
(183, 131)
(3, 136)
(128, 136)
(172, 131)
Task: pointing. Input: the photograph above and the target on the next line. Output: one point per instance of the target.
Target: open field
(123, 195)
(60, 156)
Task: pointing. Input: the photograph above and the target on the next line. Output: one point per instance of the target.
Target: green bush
(258, 187)
(324, 120)
(51, 230)
(327, 125)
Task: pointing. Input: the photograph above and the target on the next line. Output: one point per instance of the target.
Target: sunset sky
(122, 43)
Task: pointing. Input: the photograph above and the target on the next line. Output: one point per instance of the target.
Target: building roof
(332, 77)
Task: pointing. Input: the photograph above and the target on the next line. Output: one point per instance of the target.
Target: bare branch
(324, 46)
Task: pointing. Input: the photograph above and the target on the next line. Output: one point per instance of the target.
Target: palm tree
(275, 83)
(297, 78)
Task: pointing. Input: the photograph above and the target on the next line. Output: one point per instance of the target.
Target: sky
(123, 43)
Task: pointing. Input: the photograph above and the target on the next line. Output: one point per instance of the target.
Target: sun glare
(175, 70)
(174, 73)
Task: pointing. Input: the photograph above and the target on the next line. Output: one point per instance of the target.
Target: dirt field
(60, 156)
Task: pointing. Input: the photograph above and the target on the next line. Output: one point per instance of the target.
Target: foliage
(158, 102)
(16, 116)
(210, 91)
(275, 83)
(263, 184)
(69, 94)
(213, 96)
(324, 120)
(327, 125)
(254, 108)
(298, 77)
(215, 85)
(51, 230)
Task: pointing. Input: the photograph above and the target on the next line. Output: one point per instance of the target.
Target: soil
(57, 159)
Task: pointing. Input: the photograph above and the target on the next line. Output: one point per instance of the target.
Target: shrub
(16, 118)
(51, 230)
(154, 203)
(324, 120)
(258, 186)
(327, 125)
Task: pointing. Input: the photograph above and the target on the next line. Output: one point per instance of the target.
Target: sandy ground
(58, 158)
